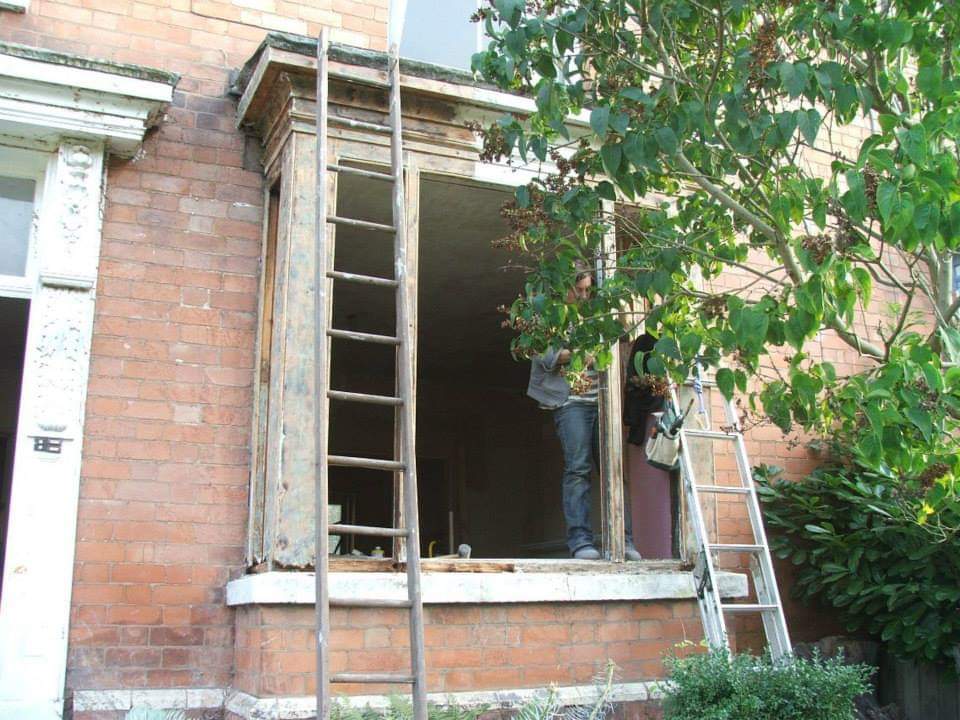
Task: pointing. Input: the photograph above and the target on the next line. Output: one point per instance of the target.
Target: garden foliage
(712, 147)
(719, 686)
(858, 550)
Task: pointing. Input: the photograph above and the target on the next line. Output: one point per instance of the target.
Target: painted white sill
(441, 588)
(15, 5)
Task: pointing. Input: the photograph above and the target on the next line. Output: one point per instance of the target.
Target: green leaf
(794, 77)
(689, 345)
(667, 140)
(914, 143)
(921, 418)
(726, 382)
(611, 155)
(606, 190)
(929, 81)
(951, 343)
(854, 200)
(895, 33)
(864, 283)
(786, 124)
(633, 93)
(809, 124)
(600, 120)
(523, 196)
(509, 10)
(887, 193)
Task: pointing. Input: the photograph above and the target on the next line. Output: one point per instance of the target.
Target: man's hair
(582, 269)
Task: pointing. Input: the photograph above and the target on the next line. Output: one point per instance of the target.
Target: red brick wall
(163, 499)
(469, 647)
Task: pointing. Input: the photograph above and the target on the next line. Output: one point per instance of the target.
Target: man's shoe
(587, 552)
(630, 553)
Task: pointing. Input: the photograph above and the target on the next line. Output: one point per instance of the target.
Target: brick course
(469, 647)
(163, 500)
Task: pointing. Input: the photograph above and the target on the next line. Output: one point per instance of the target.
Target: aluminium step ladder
(712, 607)
(325, 279)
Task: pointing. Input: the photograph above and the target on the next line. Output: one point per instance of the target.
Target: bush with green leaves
(854, 535)
(720, 686)
(705, 115)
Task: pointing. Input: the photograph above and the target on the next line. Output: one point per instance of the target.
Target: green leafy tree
(712, 148)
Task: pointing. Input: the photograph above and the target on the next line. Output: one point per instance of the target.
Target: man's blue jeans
(578, 428)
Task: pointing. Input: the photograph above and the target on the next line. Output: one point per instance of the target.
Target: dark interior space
(489, 462)
(13, 326)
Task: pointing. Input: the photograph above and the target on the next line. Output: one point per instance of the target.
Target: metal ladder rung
(723, 489)
(747, 607)
(358, 124)
(372, 678)
(363, 337)
(364, 398)
(362, 462)
(338, 529)
(711, 434)
(735, 547)
(369, 603)
(347, 170)
(363, 279)
(364, 224)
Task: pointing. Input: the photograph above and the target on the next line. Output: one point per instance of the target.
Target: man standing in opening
(576, 418)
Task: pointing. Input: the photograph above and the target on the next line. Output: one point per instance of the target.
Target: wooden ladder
(325, 279)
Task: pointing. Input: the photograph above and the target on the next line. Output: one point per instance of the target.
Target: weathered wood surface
(611, 410)
(922, 692)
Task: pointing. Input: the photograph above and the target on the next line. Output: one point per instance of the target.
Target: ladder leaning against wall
(713, 610)
(326, 278)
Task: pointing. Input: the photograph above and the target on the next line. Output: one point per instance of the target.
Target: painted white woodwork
(38, 570)
(29, 165)
(80, 111)
(46, 100)
(15, 5)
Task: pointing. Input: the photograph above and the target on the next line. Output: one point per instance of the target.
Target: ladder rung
(363, 279)
(363, 337)
(368, 603)
(346, 169)
(365, 224)
(735, 548)
(338, 529)
(747, 607)
(358, 124)
(724, 489)
(364, 398)
(371, 678)
(712, 434)
(369, 463)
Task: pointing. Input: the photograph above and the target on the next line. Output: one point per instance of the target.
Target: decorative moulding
(46, 95)
(15, 5)
(297, 588)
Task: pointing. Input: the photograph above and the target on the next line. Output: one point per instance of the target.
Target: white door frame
(78, 111)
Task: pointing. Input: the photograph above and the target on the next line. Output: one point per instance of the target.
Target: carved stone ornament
(74, 215)
(61, 359)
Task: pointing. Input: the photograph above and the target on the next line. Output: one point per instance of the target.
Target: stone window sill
(530, 581)
(15, 5)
